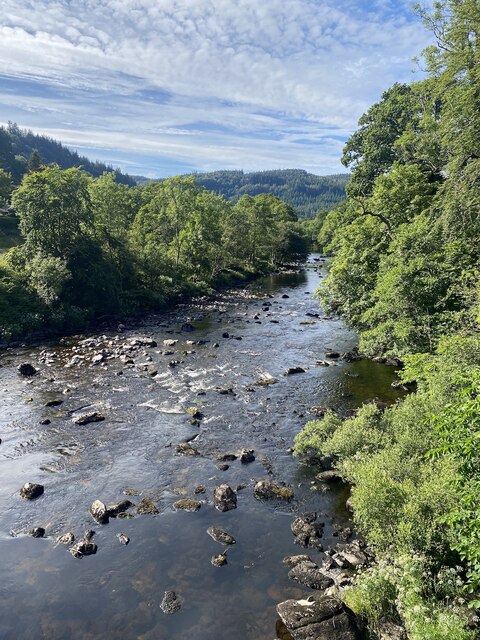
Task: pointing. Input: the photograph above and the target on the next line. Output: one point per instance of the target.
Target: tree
(34, 162)
(5, 187)
(54, 209)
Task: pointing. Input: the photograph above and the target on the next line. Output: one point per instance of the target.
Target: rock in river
(30, 490)
(267, 490)
(220, 560)
(186, 449)
(318, 617)
(247, 455)
(170, 603)
(187, 504)
(147, 505)
(309, 575)
(26, 369)
(99, 512)
(224, 498)
(83, 548)
(113, 510)
(37, 532)
(220, 536)
(307, 530)
(66, 538)
(292, 370)
(87, 418)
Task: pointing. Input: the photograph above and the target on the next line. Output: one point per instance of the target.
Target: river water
(47, 593)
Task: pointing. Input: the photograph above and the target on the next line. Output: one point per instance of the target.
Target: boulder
(220, 560)
(292, 370)
(220, 536)
(26, 369)
(123, 539)
(83, 548)
(224, 498)
(37, 532)
(333, 355)
(292, 561)
(187, 504)
(329, 476)
(30, 490)
(246, 456)
(309, 575)
(318, 617)
(307, 530)
(268, 490)
(147, 506)
(99, 512)
(113, 510)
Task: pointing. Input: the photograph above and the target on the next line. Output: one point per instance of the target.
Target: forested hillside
(20, 149)
(305, 192)
(405, 274)
(92, 246)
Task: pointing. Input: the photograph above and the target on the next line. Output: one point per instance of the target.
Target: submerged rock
(292, 561)
(220, 536)
(66, 538)
(318, 617)
(87, 418)
(186, 449)
(268, 490)
(30, 490)
(171, 603)
(99, 512)
(147, 506)
(187, 504)
(224, 498)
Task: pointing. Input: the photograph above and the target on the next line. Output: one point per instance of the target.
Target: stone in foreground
(224, 498)
(26, 369)
(30, 490)
(309, 575)
(99, 512)
(83, 548)
(187, 504)
(268, 490)
(318, 618)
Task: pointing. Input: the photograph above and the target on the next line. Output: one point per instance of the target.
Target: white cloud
(222, 62)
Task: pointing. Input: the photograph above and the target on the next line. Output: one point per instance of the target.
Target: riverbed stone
(247, 455)
(292, 561)
(308, 574)
(31, 490)
(171, 603)
(26, 369)
(123, 539)
(186, 449)
(318, 617)
(187, 504)
(269, 490)
(66, 538)
(87, 418)
(293, 370)
(219, 560)
(83, 548)
(99, 512)
(224, 498)
(147, 506)
(114, 510)
(329, 476)
(307, 530)
(219, 535)
(37, 532)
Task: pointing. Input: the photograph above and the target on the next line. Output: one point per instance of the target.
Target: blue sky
(160, 87)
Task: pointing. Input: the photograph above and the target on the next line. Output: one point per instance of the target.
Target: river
(47, 593)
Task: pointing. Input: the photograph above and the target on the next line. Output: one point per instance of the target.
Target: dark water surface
(47, 593)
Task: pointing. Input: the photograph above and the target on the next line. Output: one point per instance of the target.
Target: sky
(161, 87)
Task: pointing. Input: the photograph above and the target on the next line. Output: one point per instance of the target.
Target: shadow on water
(45, 592)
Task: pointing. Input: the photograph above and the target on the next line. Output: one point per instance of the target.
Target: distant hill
(16, 146)
(305, 192)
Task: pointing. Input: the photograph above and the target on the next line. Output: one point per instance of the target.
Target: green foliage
(5, 187)
(428, 611)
